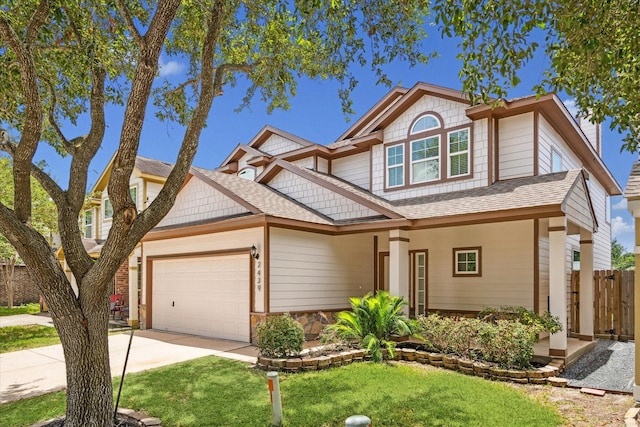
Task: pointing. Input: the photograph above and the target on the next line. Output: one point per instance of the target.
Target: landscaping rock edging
(544, 375)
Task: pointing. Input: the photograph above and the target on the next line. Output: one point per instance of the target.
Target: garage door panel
(205, 296)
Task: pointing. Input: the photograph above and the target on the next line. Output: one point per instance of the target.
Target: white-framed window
(425, 160)
(420, 281)
(425, 123)
(575, 265)
(467, 261)
(247, 173)
(108, 207)
(88, 224)
(458, 152)
(395, 165)
(556, 161)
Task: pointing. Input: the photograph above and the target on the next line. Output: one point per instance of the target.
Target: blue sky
(316, 115)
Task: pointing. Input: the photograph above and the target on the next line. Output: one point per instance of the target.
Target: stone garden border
(543, 375)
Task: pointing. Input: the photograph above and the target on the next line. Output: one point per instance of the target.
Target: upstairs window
(395, 166)
(425, 123)
(88, 224)
(556, 161)
(425, 160)
(108, 209)
(459, 153)
(247, 173)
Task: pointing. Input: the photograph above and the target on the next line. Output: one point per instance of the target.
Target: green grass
(14, 338)
(20, 309)
(217, 392)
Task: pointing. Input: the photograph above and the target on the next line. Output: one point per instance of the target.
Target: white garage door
(206, 296)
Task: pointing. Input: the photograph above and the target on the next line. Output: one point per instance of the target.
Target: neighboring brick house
(25, 290)
(451, 205)
(146, 182)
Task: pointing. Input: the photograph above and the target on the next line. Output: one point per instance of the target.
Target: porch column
(557, 283)
(133, 288)
(399, 263)
(634, 208)
(586, 285)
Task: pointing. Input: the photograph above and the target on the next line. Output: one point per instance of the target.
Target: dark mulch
(121, 421)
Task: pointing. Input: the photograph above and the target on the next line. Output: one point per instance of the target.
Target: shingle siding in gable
(318, 198)
(277, 144)
(198, 202)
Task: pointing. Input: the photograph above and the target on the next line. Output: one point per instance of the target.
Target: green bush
(280, 336)
(373, 320)
(505, 336)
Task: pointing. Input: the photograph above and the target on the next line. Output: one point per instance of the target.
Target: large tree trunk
(82, 325)
(7, 270)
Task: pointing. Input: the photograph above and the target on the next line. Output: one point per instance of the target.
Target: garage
(206, 295)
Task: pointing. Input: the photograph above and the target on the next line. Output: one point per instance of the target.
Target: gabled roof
(258, 198)
(266, 132)
(632, 191)
(146, 168)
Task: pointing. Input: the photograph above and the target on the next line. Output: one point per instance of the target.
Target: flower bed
(320, 358)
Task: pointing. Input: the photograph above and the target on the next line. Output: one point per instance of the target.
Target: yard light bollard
(357, 421)
(276, 403)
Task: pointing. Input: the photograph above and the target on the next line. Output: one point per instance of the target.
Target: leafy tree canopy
(620, 258)
(593, 51)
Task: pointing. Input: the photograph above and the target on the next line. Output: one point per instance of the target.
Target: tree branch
(130, 24)
(52, 120)
(37, 20)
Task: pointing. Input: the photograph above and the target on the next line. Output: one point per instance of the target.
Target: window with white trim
(88, 224)
(395, 166)
(425, 123)
(248, 173)
(556, 161)
(467, 261)
(108, 209)
(425, 160)
(458, 153)
(420, 280)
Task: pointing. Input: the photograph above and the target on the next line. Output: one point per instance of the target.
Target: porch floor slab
(575, 349)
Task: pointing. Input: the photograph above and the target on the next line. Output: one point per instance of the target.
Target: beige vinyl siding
(543, 255)
(152, 190)
(601, 239)
(213, 242)
(307, 163)
(313, 271)
(277, 144)
(323, 165)
(549, 139)
(516, 146)
(321, 199)
(354, 169)
(507, 265)
(577, 207)
(198, 201)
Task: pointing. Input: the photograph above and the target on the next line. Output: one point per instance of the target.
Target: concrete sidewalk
(29, 373)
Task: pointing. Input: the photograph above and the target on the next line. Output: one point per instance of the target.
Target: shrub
(544, 322)
(374, 319)
(508, 343)
(280, 336)
(449, 335)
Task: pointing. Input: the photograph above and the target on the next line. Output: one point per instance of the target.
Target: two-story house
(453, 206)
(146, 181)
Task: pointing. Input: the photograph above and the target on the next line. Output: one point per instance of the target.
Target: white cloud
(620, 206)
(170, 68)
(571, 106)
(619, 226)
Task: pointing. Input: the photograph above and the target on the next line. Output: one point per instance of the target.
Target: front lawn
(218, 392)
(20, 309)
(14, 338)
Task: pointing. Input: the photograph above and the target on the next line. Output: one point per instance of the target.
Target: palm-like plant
(374, 319)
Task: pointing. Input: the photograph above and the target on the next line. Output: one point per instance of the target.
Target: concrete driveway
(25, 319)
(29, 373)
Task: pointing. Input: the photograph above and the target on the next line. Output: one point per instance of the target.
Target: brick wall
(121, 281)
(25, 290)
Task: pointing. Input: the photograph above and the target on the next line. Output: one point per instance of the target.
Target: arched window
(425, 123)
(247, 173)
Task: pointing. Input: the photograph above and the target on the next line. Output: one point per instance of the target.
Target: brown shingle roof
(261, 197)
(518, 193)
(153, 167)
(633, 185)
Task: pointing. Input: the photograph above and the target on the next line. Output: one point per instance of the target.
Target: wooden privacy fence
(613, 295)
